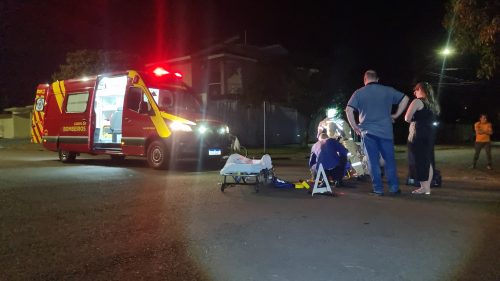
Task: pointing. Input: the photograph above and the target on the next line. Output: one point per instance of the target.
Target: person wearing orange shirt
(483, 132)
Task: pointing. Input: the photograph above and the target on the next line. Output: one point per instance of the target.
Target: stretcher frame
(256, 179)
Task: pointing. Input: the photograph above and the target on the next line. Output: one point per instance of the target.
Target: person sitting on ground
(332, 155)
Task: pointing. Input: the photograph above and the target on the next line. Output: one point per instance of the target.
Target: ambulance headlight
(177, 126)
(202, 129)
(223, 130)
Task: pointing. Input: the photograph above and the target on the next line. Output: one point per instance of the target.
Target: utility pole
(264, 106)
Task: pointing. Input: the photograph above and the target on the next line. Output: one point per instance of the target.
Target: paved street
(99, 220)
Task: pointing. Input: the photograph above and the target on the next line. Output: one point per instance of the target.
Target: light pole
(445, 53)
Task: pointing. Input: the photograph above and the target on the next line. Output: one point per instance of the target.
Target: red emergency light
(160, 71)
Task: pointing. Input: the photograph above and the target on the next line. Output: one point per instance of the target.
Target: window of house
(77, 102)
(214, 73)
(213, 68)
(234, 78)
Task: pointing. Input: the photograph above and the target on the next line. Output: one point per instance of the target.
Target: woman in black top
(421, 115)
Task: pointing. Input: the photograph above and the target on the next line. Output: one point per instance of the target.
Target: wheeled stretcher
(244, 171)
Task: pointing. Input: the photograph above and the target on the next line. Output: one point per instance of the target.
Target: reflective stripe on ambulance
(59, 93)
(37, 115)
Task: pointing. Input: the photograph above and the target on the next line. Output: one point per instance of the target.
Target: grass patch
(278, 151)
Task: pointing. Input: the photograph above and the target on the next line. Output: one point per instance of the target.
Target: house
(234, 80)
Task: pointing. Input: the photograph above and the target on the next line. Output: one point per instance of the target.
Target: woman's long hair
(429, 99)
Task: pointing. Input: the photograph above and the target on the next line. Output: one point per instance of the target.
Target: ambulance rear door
(75, 132)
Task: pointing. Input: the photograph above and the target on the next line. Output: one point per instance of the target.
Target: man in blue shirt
(331, 154)
(374, 103)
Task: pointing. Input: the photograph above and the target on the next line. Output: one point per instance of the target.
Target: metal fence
(256, 126)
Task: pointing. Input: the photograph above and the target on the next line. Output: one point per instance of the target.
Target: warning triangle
(325, 186)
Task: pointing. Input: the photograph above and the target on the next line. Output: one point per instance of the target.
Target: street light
(447, 51)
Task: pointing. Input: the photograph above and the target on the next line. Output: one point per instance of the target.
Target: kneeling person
(332, 155)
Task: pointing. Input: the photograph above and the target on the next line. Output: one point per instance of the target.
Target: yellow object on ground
(302, 184)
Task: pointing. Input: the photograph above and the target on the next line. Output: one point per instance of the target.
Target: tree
(309, 95)
(280, 82)
(91, 62)
(474, 26)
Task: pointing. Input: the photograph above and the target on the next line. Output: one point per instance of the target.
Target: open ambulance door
(108, 112)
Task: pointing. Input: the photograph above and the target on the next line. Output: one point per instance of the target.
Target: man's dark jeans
(487, 147)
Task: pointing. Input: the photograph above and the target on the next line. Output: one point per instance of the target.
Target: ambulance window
(145, 106)
(137, 100)
(166, 100)
(77, 102)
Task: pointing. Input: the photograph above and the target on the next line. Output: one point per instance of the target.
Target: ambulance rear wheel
(157, 155)
(66, 156)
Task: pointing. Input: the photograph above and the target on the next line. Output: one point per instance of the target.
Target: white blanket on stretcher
(237, 163)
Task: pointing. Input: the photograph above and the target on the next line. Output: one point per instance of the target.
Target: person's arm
(401, 106)
(477, 128)
(489, 130)
(313, 156)
(312, 160)
(352, 121)
(415, 105)
(342, 150)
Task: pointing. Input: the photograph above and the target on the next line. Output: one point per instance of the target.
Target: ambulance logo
(40, 103)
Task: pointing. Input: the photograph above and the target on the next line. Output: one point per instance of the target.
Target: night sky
(399, 39)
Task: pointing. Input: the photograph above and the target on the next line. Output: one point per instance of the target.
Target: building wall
(6, 127)
(22, 125)
(15, 126)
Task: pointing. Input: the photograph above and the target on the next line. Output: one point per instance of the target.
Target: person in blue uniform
(332, 155)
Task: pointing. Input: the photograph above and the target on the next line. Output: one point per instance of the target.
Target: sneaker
(376, 193)
(395, 193)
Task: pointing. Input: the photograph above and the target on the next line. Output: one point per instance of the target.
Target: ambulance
(148, 113)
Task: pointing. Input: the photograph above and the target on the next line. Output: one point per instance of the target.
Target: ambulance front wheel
(66, 156)
(157, 155)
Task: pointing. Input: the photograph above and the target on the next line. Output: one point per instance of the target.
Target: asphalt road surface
(101, 220)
